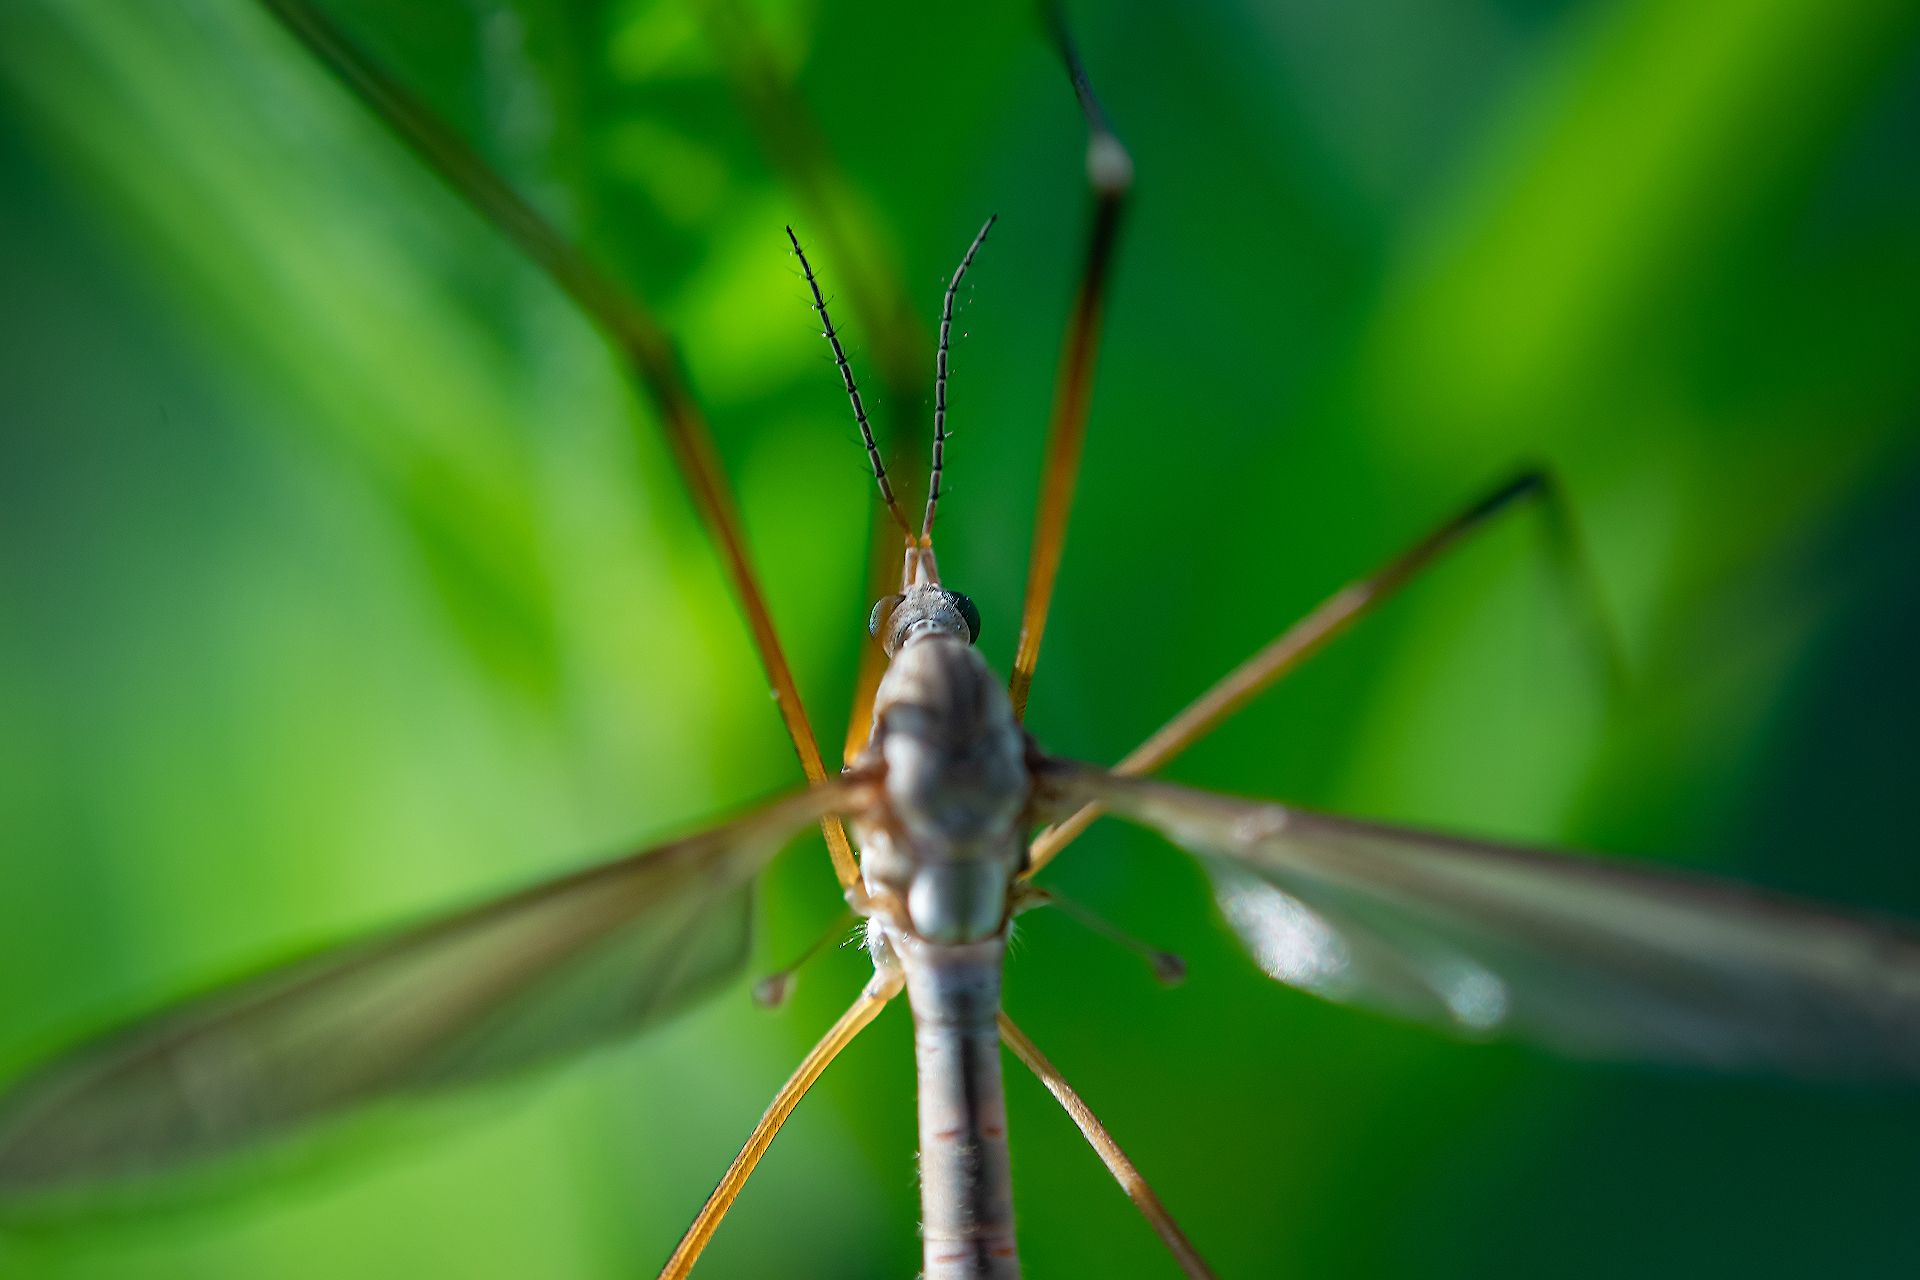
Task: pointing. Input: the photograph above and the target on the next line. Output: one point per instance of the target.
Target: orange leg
(1110, 173)
(884, 987)
(1293, 646)
(1191, 1264)
(624, 319)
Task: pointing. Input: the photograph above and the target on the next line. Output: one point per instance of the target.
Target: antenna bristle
(853, 392)
(940, 382)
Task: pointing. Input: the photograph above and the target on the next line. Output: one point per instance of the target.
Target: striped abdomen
(966, 1187)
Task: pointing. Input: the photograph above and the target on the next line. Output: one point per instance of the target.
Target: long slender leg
(622, 316)
(1191, 1264)
(887, 542)
(883, 987)
(796, 146)
(1293, 646)
(1110, 173)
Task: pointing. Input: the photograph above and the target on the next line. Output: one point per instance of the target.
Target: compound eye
(970, 611)
(882, 610)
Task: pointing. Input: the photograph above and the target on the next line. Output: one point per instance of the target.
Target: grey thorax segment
(947, 838)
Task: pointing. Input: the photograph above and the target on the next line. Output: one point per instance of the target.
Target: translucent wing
(539, 974)
(1591, 957)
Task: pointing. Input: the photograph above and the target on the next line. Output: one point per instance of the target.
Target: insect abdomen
(966, 1184)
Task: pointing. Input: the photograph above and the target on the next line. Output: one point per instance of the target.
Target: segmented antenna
(940, 382)
(853, 393)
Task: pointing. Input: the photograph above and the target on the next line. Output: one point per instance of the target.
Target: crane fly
(953, 808)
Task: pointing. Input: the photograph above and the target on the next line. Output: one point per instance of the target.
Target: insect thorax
(947, 838)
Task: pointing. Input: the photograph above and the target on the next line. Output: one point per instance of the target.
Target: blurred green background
(343, 577)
